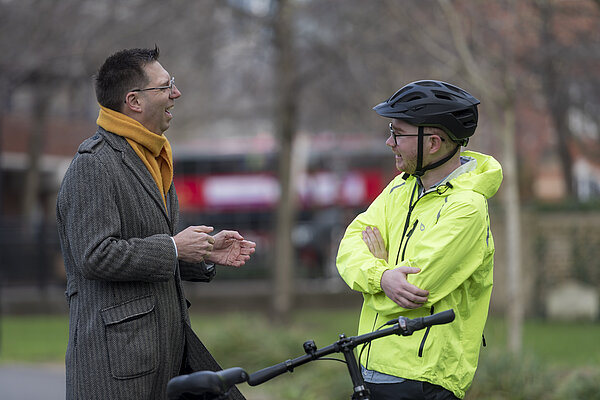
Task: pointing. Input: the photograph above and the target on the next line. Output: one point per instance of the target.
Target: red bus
(232, 183)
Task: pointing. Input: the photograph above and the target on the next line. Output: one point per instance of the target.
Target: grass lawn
(33, 339)
(43, 338)
(560, 344)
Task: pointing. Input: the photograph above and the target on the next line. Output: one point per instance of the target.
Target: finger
(411, 290)
(246, 252)
(203, 229)
(376, 240)
(379, 244)
(402, 302)
(412, 306)
(416, 299)
(231, 235)
(235, 235)
(409, 270)
(369, 239)
(376, 233)
(408, 303)
(204, 241)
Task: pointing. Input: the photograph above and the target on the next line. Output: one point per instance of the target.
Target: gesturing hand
(231, 249)
(194, 244)
(372, 237)
(403, 293)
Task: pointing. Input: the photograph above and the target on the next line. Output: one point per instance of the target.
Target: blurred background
(274, 136)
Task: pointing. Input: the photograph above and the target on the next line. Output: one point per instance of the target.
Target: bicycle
(210, 385)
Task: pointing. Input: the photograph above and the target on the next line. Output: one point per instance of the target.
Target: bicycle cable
(369, 343)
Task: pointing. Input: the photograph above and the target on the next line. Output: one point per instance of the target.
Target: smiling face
(156, 105)
(407, 146)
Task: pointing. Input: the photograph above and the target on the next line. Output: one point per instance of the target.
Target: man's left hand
(231, 249)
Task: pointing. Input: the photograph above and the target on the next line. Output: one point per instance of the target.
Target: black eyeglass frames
(395, 135)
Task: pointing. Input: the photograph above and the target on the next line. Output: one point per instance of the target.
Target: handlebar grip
(265, 374)
(232, 376)
(443, 317)
(198, 383)
(408, 326)
(195, 383)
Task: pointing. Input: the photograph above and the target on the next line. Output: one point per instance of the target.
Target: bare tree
(285, 128)
(498, 85)
(565, 64)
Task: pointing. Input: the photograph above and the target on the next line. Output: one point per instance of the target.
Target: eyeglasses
(395, 135)
(170, 86)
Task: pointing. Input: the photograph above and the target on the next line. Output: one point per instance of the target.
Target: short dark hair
(122, 72)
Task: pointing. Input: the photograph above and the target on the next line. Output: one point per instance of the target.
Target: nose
(390, 142)
(175, 93)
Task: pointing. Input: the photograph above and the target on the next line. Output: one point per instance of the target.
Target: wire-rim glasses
(170, 86)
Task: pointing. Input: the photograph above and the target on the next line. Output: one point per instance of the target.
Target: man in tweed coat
(117, 212)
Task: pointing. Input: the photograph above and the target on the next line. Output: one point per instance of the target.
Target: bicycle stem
(358, 383)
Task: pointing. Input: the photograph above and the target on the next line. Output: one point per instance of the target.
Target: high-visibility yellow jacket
(446, 233)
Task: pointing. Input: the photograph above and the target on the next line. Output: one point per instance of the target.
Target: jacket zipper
(408, 235)
(369, 348)
(425, 337)
(407, 222)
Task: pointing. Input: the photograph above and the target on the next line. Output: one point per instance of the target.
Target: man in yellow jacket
(425, 246)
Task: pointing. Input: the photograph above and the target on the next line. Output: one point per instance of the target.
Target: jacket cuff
(375, 275)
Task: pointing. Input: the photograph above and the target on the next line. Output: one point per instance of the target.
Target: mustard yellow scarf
(154, 150)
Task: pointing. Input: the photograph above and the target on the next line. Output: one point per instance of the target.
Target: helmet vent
(465, 117)
(443, 96)
(428, 84)
(455, 89)
(413, 98)
(396, 95)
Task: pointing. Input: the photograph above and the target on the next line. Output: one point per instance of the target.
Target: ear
(132, 102)
(435, 144)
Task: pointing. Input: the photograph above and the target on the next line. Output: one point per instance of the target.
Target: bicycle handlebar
(219, 383)
(402, 326)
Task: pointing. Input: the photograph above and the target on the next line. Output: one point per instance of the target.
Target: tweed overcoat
(129, 329)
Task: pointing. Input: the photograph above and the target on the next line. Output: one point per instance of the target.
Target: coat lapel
(139, 170)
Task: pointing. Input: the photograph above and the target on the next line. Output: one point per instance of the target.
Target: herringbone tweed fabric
(129, 325)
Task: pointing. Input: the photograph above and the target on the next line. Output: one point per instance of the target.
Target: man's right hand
(194, 244)
(403, 293)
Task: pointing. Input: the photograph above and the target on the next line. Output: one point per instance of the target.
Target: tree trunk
(557, 96)
(285, 129)
(512, 209)
(34, 154)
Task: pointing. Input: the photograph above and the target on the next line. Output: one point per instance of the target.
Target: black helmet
(434, 103)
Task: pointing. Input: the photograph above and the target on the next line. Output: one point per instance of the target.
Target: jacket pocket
(131, 333)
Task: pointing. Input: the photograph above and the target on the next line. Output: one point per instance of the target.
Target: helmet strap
(420, 170)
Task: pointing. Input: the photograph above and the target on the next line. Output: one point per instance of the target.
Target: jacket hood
(484, 179)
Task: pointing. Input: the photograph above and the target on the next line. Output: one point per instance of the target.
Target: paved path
(30, 382)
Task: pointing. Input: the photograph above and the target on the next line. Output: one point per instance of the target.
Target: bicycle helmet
(436, 104)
